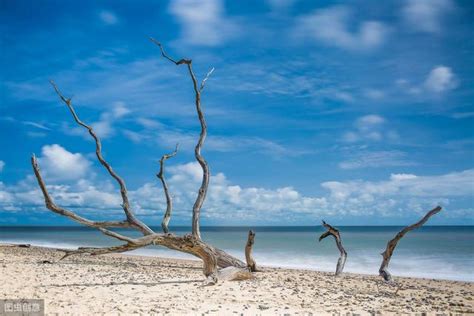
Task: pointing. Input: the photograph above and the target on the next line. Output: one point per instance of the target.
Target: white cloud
(440, 79)
(408, 185)
(369, 128)
(37, 125)
(2, 165)
(332, 27)
(426, 15)
(374, 94)
(462, 115)
(376, 159)
(400, 195)
(402, 176)
(59, 164)
(104, 127)
(154, 131)
(108, 17)
(187, 141)
(203, 22)
(369, 121)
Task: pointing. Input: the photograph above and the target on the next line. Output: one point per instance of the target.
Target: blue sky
(358, 112)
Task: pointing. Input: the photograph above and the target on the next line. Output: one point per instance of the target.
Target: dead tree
(232, 268)
(251, 264)
(169, 200)
(387, 254)
(202, 136)
(335, 233)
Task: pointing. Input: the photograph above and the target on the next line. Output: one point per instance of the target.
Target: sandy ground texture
(124, 285)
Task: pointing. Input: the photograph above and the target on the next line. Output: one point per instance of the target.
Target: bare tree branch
(98, 150)
(212, 257)
(169, 201)
(387, 254)
(197, 150)
(59, 210)
(343, 256)
(203, 82)
(49, 202)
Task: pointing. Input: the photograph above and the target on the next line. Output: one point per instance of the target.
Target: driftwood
(234, 269)
(16, 245)
(251, 264)
(335, 233)
(169, 200)
(202, 136)
(387, 254)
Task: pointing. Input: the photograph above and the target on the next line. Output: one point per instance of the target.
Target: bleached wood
(251, 264)
(332, 231)
(169, 200)
(387, 254)
(212, 257)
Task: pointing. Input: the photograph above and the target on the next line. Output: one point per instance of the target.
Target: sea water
(439, 252)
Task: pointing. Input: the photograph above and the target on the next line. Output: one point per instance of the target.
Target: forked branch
(98, 150)
(212, 257)
(387, 254)
(169, 200)
(202, 136)
(331, 231)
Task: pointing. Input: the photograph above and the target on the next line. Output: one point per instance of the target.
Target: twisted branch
(98, 150)
(169, 201)
(192, 244)
(331, 231)
(197, 150)
(387, 254)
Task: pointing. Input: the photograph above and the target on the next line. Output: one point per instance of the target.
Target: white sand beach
(124, 285)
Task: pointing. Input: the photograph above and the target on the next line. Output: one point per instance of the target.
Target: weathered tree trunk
(343, 254)
(251, 264)
(234, 269)
(387, 254)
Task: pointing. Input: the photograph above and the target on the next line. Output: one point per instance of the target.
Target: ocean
(438, 252)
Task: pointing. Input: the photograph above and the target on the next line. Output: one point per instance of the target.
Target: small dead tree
(387, 254)
(169, 200)
(232, 268)
(251, 264)
(331, 231)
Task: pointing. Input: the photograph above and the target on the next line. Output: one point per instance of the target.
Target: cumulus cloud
(399, 195)
(108, 17)
(426, 15)
(2, 165)
(203, 22)
(440, 79)
(332, 26)
(59, 164)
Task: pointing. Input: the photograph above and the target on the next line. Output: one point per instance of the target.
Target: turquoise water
(440, 252)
